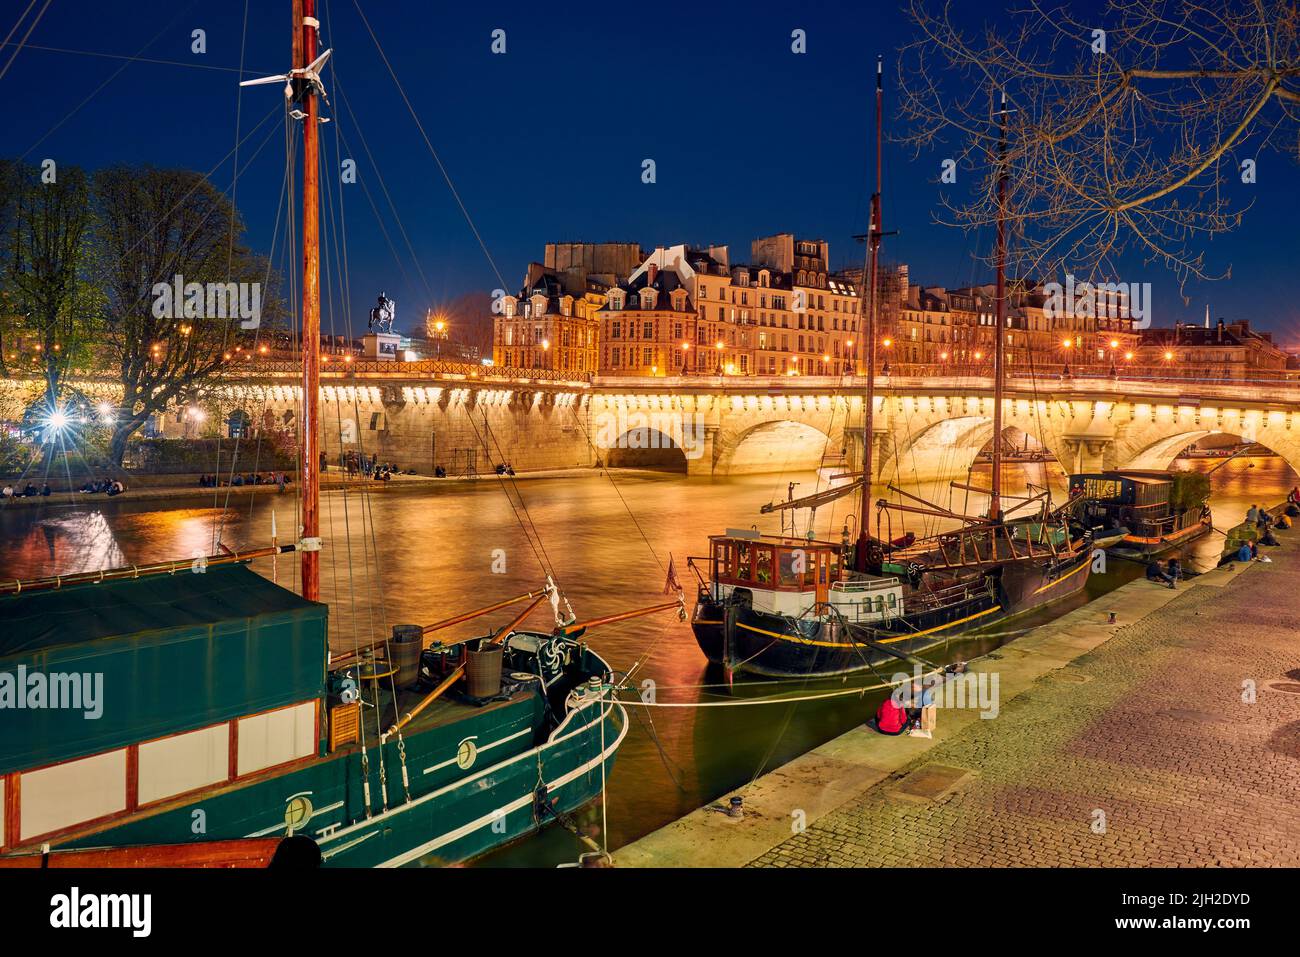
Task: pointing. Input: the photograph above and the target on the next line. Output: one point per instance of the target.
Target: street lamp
(686, 348)
(720, 348)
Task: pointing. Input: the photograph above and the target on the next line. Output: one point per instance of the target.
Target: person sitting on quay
(1157, 573)
(116, 488)
(891, 717)
(1252, 514)
(45, 489)
(30, 491)
(7, 492)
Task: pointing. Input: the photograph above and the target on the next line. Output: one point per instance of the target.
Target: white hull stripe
(447, 788)
(467, 829)
(487, 747)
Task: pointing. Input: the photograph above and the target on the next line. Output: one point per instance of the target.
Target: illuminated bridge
(468, 418)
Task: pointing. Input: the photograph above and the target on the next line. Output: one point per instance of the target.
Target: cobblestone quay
(1174, 743)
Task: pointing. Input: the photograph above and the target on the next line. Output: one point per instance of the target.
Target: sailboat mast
(869, 336)
(305, 27)
(999, 335)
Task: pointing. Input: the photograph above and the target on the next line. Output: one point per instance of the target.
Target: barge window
(744, 564)
(74, 792)
(763, 566)
(790, 567)
(183, 762)
(276, 737)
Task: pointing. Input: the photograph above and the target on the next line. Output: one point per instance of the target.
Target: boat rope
(782, 699)
(428, 143)
(613, 484)
(604, 808)
(507, 485)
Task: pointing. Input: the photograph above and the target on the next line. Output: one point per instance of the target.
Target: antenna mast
(1000, 334)
(303, 88)
(874, 235)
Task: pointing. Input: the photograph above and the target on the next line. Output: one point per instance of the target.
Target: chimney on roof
(652, 273)
(1218, 331)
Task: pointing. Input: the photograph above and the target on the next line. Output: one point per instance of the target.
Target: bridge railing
(931, 380)
(335, 366)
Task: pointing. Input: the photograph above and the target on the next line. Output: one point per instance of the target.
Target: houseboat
(1154, 510)
(196, 719)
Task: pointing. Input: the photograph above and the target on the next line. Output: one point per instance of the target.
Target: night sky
(546, 142)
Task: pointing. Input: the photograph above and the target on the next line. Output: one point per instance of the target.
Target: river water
(423, 553)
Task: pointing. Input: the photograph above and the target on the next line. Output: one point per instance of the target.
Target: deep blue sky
(546, 142)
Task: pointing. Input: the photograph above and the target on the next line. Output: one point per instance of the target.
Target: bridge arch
(644, 447)
(947, 448)
(1160, 453)
(779, 445)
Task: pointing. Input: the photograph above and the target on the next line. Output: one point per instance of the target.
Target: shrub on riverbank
(199, 456)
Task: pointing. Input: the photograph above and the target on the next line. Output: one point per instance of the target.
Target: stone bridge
(932, 428)
(421, 414)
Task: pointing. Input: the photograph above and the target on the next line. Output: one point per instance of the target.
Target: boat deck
(448, 709)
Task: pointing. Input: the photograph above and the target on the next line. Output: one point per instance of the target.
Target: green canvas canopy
(171, 653)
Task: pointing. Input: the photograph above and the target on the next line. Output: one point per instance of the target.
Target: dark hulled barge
(789, 607)
(1146, 512)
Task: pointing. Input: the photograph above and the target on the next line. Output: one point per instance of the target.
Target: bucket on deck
(405, 647)
(483, 671)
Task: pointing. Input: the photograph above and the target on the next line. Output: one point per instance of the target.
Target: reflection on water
(421, 554)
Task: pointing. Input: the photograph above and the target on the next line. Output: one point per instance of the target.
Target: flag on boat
(671, 584)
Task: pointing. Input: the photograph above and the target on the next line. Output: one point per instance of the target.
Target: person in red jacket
(891, 717)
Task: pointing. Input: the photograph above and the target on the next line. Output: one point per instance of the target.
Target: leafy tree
(153, 225)
(48, 302)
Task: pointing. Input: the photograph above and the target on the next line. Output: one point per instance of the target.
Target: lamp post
(686, 348)
(720, 348)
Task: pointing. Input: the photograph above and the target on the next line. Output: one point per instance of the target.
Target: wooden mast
(305, 34)
(1000, 333)
(869, 339)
